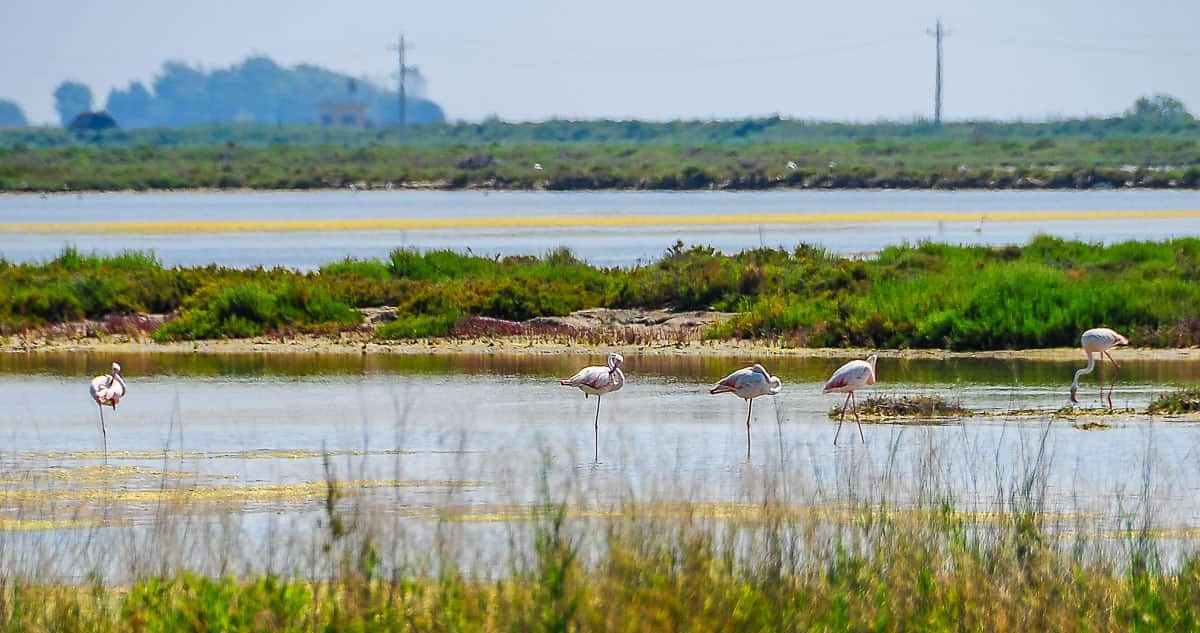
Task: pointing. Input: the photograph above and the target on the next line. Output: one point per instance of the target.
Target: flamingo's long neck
(1086, 370)
(618, 377)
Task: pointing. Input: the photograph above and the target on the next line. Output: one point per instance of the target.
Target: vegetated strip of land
(590, 221)
(928, 296)
(923, 162)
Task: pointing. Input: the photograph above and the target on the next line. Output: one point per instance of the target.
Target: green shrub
(361, 268)
(417, 326)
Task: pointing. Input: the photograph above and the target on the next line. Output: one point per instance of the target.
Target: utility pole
(403, 76)
(938, 33)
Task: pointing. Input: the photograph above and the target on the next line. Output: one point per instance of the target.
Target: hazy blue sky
(535, 59)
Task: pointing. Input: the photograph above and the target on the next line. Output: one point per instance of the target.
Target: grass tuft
(1182, 401)
(906, 407)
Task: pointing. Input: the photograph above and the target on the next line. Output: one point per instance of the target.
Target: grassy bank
(927, 296)
(1073, 162)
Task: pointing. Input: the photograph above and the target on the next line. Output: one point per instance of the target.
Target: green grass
(914, 162)
(419, 326)
(920, 296)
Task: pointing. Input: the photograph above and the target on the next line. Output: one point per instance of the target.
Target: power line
(402, 76)
(649, 65)
(938, 33)
(1079, 46)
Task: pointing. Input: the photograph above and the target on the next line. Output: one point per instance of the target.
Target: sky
(537, 59)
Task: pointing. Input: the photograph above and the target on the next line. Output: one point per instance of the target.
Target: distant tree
(72, 99)
(131, 106)
(92, 122)
(181, 95)
(11, 115)
(1160, 108)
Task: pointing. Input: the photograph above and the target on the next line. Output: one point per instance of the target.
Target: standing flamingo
(108, 390)
(748, 384)
(849, 378)
(1098, 341)
(597, 381)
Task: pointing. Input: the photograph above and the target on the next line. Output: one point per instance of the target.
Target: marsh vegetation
(865, 162)
(921, 296)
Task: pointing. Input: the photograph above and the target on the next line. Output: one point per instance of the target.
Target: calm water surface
(492, 419)
(611, 246)
(477, 433)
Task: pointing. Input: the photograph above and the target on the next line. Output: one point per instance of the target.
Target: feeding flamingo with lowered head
(107, 390)
(748, 384)
(1098, 341)
(597, 381)
(849, 378)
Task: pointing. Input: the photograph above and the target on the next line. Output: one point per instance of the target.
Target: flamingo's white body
(597, 381)
(108, 390)
(849, 378)
(748, 384)
(1098, 341)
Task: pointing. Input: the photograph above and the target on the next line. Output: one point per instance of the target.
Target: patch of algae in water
(96, 474)
(304, 491)
(265, 453)
(41, 525)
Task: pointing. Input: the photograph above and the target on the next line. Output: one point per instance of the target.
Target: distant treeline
(1150, 116)
(255, 91)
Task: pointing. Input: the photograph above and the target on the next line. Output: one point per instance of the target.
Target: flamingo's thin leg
(856, 420)
(1112, 384)
(749, 410)
(596, 432)
(842, 418)
(103, 434)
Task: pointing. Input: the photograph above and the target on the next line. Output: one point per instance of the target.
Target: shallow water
(492, 421)
(617, 245)
(210, 441)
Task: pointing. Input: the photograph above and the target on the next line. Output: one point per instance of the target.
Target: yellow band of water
(586, 221)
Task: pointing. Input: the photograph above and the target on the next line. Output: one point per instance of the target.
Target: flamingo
(1098, 341)
(597, 381)
(748, 384)
(849, 378)
(108, 389)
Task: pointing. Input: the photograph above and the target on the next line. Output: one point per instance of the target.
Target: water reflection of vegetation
(697, 368)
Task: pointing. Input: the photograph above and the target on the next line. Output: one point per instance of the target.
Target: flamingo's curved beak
(1073, 398)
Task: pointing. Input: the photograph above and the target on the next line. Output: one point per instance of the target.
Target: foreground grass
(925, 296)
(871, 574)
(1073, 162)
